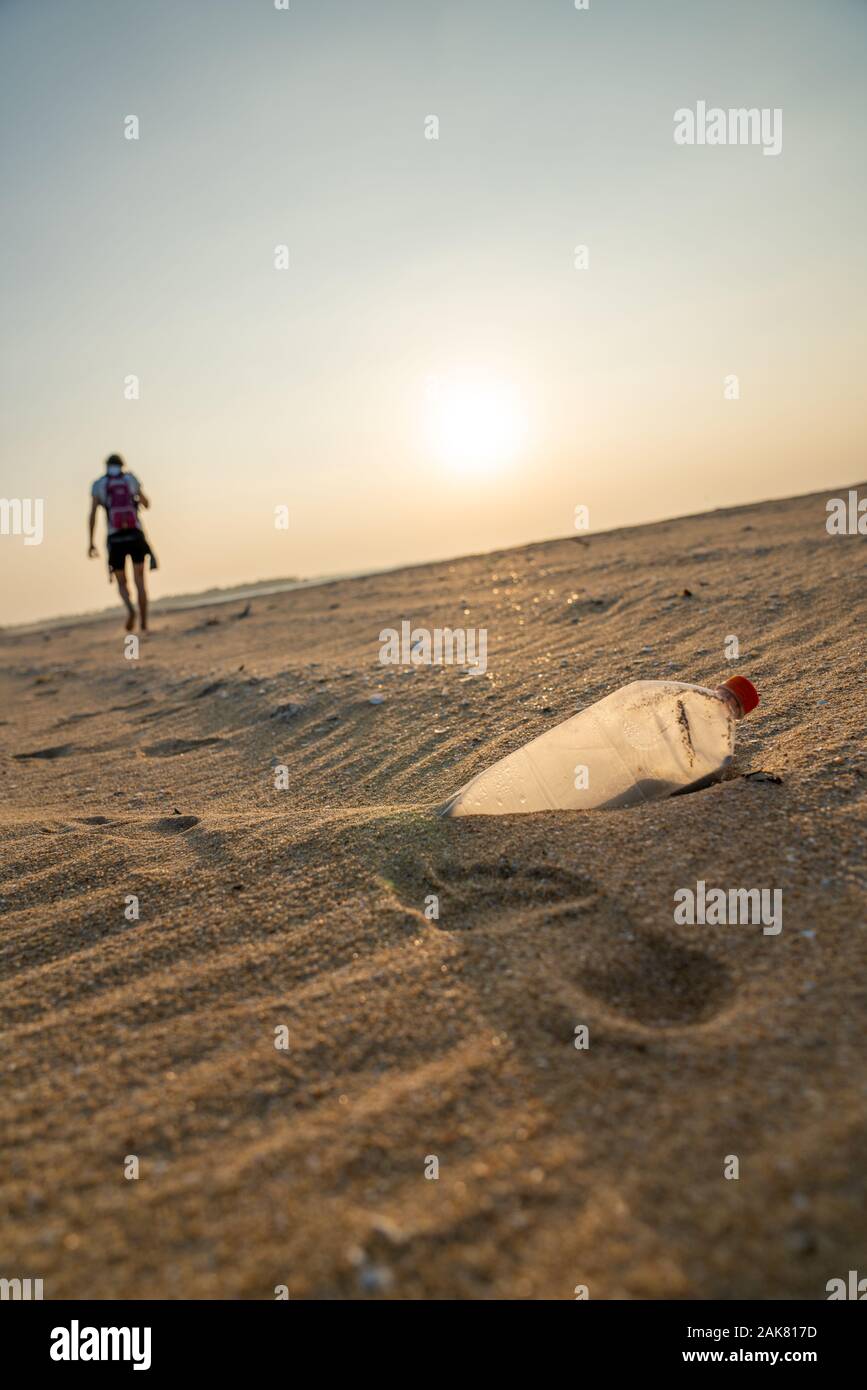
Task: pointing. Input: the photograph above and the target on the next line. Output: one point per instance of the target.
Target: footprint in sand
(569, 939)
(173, 825)
(60, 750)
(487, 896)
(171, 747)
(660, 983)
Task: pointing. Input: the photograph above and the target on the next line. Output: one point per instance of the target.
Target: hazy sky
(432, 375)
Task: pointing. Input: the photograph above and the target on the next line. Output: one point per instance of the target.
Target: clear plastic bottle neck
(731, 699)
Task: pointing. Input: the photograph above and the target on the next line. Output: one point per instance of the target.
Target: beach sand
(412, 1039)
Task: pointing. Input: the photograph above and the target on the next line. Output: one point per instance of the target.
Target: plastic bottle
(648, 740)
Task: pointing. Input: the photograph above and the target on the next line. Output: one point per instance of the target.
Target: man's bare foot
(130, 620)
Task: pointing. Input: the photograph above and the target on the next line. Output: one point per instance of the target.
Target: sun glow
(474, 424)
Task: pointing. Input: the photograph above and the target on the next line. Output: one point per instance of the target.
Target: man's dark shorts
(123, 543)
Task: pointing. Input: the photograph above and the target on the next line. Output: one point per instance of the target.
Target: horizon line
(184, 602)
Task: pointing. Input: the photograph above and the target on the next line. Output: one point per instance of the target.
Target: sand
(412, 1039)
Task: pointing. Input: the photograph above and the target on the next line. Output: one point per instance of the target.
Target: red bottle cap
(744, 692)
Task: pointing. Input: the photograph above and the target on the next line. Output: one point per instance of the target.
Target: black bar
(246, 1337)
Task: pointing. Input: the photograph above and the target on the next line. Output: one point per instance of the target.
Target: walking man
(121, 495)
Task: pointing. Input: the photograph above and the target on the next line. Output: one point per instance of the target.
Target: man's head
(114, 464)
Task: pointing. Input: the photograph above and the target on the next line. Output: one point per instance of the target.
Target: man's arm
(91, 548)
(145, 501)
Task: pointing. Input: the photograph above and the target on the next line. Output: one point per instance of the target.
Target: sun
(474, 424)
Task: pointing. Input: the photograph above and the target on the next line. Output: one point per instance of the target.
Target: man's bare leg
(139, 572)
(120, 576)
